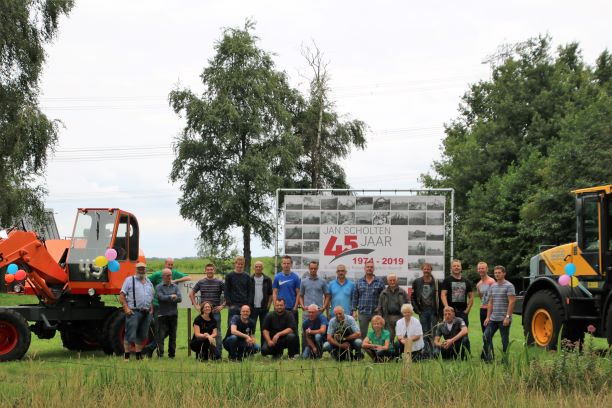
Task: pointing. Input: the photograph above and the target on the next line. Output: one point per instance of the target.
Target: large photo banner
(397, 233)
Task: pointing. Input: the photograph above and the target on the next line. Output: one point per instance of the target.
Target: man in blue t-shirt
(286, 286)
(314, 329)
(341, 290)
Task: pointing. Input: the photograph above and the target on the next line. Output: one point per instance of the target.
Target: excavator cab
(96, 230)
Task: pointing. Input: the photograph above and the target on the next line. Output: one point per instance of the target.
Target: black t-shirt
(275, 323)
(247, 328)
(205, 326)
(457, 292)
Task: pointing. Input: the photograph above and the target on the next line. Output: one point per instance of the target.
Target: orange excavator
(64, 276)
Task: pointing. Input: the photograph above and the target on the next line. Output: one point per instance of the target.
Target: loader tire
(15, 335)
(544, 316)
(609, 325)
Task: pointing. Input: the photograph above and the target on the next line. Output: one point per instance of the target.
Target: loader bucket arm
(24, 249)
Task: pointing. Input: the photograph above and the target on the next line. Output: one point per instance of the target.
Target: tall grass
(111, 382)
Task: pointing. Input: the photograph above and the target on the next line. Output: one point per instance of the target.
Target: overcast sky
(399, 66)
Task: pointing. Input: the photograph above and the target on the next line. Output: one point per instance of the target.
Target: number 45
(333, 249)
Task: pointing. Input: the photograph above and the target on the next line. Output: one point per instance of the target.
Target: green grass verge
(52, 376)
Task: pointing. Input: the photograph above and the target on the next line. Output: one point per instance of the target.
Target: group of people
(367, 316)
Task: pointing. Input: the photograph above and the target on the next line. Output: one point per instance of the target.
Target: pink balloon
(110, 254)
(20, 275)
(564, 280)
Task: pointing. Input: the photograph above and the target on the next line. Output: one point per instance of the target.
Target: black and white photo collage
(422, 216)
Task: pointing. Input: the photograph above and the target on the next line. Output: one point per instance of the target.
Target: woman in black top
(203, 342)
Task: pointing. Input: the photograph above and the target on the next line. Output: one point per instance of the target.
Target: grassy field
(195, 266)
(51, 376)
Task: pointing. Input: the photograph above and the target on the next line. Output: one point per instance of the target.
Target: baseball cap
(141, 265)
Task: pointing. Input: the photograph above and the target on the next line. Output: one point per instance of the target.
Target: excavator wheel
(79, 339)
(543, 319)
(15, 335)
(107, 344)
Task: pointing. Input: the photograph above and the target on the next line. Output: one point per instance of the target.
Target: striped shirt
(499, 293)
(210, 290)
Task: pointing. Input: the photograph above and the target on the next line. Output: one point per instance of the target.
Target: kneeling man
(279, 331)
(451, 336)
(343, 337)
(240, 339)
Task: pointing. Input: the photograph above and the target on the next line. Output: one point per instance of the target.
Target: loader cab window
(590, 224)
(609, 224)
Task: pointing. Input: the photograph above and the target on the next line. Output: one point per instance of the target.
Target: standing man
(390, 304)
(210, 289)
(313, 290)
(286, 286)
(280, 332)
(482, 287)
(341, 290)
(136, 297)
(343, 337)
(425, 301)
(237, 289)
(240, 338)
(156, 279)
(499, 312)
(365, 298)
(260, 297)
(169, 296)
(314, 328)
(457, 293)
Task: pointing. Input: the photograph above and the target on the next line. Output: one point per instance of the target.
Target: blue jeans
(219, 345)
(318, 340)
(340, 354)
(483, 317)
(466, 339)
(364, 324)
(259, 313)
(238, 348)
(492, 327)
(427, 319)
(231, 312)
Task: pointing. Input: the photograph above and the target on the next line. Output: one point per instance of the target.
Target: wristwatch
(507, 316)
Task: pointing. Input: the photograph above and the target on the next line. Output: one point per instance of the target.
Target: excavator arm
(24, 248)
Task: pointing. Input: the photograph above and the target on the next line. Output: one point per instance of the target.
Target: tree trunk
(246, 239)
(317, 153)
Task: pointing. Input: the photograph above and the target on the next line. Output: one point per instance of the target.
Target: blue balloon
(570, 269)
(12, 269)
(113, 266)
